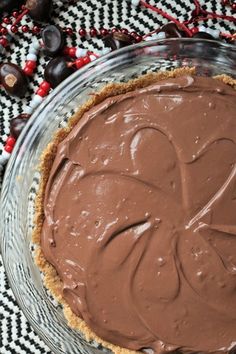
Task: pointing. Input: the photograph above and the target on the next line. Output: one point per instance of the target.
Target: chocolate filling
(140, 217)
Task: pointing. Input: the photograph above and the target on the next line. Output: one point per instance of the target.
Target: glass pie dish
(22, 176)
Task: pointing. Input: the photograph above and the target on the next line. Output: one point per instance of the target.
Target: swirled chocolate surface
(140, 217)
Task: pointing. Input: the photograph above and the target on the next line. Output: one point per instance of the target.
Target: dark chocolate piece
(53, 39)
(9, 5)
(171, 30)
(17, 124)
(39, 10)
(57, 70)
(13, 79)
(117, 40)
(203, 35)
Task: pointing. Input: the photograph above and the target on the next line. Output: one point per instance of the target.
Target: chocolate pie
(136, 215)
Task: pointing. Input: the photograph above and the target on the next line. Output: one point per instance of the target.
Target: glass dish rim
(79, 77)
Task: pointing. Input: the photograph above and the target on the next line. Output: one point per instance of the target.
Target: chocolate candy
(117, 40)
(13, 79)
(122, 38)
(204, 49)
(39, 10)
(171, 30)
(57, 70)
(9, 5)
(203, 35)
(53, 39)
(17, 124)
(109, 42)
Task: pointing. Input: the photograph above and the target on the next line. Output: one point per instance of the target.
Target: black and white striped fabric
(16, 335)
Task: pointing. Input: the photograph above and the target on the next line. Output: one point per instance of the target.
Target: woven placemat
(16, 335)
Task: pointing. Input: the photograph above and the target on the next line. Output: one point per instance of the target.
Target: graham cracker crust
(51, 279)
